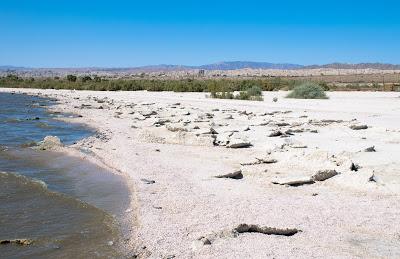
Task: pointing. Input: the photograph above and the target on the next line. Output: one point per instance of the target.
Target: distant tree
(12, 77)
(96, 78)
(71, 78)
(86, 78)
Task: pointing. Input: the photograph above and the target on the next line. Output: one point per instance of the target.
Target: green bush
(71, 78)
(308, 90)
(214, 86)
(254, 91)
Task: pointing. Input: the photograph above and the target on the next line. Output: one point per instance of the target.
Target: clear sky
(60, 33)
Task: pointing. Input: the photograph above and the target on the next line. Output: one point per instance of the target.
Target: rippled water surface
(67, 206)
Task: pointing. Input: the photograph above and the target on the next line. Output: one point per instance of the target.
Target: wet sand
(170, 147)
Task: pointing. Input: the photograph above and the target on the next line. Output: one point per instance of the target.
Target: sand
(170, 147)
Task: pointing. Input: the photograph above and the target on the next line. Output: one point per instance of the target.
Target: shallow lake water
(68, 207)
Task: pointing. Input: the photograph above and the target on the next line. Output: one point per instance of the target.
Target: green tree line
(181, 85)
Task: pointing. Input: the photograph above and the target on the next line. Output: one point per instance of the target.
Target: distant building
(201, 72)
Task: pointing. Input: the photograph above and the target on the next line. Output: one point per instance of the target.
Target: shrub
(307, 90)
(71, 78)
(324, 86)
(86, 78)
(253, 93)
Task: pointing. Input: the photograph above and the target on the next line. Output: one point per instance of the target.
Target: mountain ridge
(225, 65)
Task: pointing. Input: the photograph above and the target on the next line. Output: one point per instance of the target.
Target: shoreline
(186, 202)
(125, 223)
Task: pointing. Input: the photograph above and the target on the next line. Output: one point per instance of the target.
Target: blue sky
(133, 33)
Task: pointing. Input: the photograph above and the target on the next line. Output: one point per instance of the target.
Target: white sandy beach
(181, 141)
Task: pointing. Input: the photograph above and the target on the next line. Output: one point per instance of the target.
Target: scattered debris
(235, 175)
(294, 182)
(238, 143)
(205, 241)
(148, 114)
(245, 228)
(370, 149)
(258, 161)
(146, 181)
(276, 134)
(242, 229)
(297, 145)
(324, 175)
(21, 242)
(372, 178)
(354, 167)
(282, 124)
(209, 131)
(176, 129)
(247, 128)
(320, 176)
(358, 127)
(161, 122)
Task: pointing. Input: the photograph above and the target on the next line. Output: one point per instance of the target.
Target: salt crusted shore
(242, 179)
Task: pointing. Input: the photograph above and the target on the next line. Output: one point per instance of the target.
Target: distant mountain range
(232, 65)
(247, 64)
(380, 66)
(2, 68)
